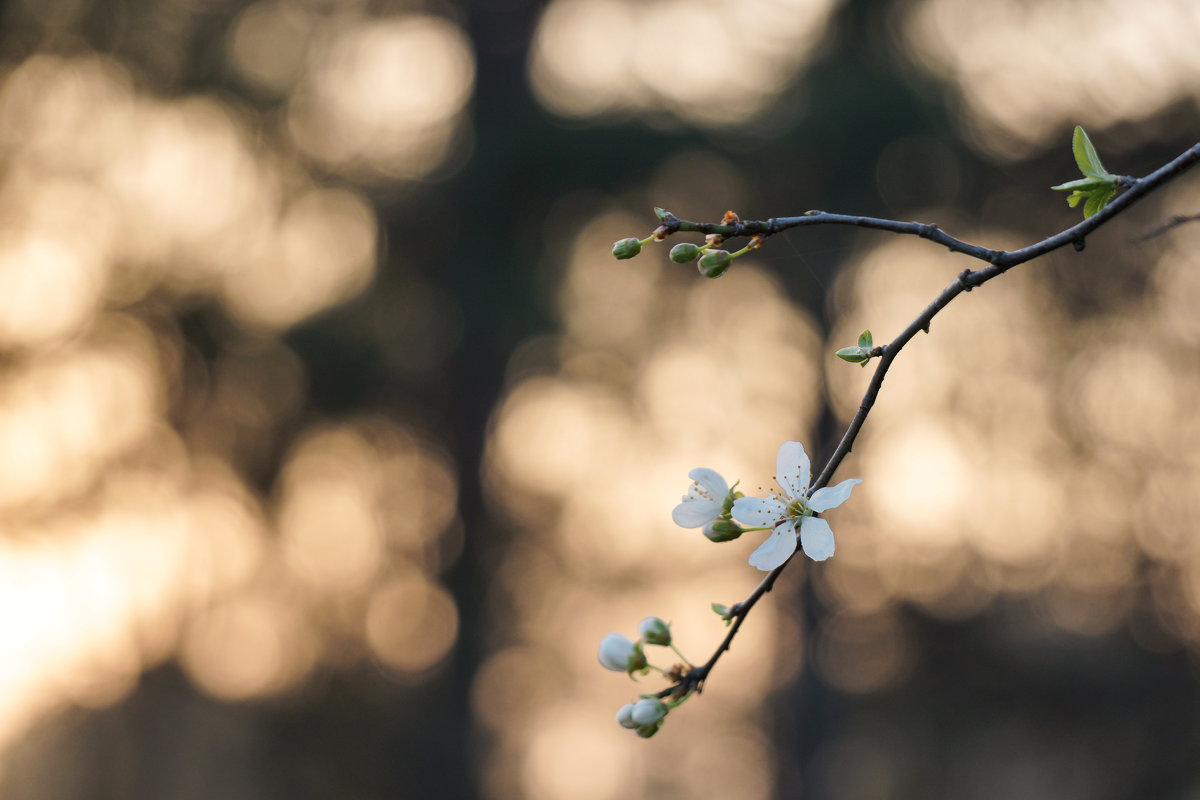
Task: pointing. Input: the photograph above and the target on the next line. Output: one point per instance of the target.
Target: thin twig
(999, 262)
(1170, 224)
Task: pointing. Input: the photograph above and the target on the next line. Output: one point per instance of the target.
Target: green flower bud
(714, 263)
(655, 631)
(684, 252)
(723, 530)
(627, 248)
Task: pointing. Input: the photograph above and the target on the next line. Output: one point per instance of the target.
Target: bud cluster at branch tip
(619, 654)
(711, 261)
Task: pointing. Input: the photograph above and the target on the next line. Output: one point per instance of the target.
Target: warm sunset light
(666, 59)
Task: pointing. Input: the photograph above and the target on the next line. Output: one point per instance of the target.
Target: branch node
(1079, 243)
(967, 279)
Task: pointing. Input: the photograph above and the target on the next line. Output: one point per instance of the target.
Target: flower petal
(712, 482)
(832, 496)
(695, 513)
(763, 511)
(616, 652)
(792, 469)
(816, 537)
(777, 549)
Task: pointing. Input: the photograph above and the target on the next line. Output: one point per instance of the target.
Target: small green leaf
(865, 340)
(1086, 156)
(661, 213)
(1074, 199)
(1098, 200)
(855, 355)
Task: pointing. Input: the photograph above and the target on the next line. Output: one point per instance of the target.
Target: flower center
(798, 508)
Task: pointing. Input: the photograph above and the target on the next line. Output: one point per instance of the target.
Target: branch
(1170, 224)
(998, 261)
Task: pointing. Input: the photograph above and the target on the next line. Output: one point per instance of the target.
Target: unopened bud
(723, 530)
(684, 252)
(655, 631)
(621, 655)
(625, 716)
(627, 248)
(714, 263)
(648, 711)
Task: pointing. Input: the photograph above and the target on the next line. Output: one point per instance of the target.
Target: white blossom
(704, 501)
(792, 507)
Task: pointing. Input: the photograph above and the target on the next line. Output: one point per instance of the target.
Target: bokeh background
(332, 438)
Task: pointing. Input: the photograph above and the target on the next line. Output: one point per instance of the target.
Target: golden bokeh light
(132, 534)
(248, 646)
(411, 623)
(63, 420)
(269, 43)
(594, 57)
(1006, 61)
(324, 254)
(384, 96)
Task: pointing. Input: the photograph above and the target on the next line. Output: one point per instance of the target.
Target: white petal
(816, 537)
(777, 549)
(693, 513)
(792, 469)
(759, 510)
(832, 496)
(647, 711)
(615, 652)
(712, 482)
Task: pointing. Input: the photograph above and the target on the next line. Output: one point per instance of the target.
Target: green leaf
(1086, 156)
(1097, 201)
(1074, 199)
(661, 213)
(855, 355)
(865, 340)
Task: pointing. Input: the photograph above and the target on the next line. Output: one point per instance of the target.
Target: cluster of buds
(619, 654)
(711, 261)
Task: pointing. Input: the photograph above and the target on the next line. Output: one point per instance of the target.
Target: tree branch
(998, 261)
